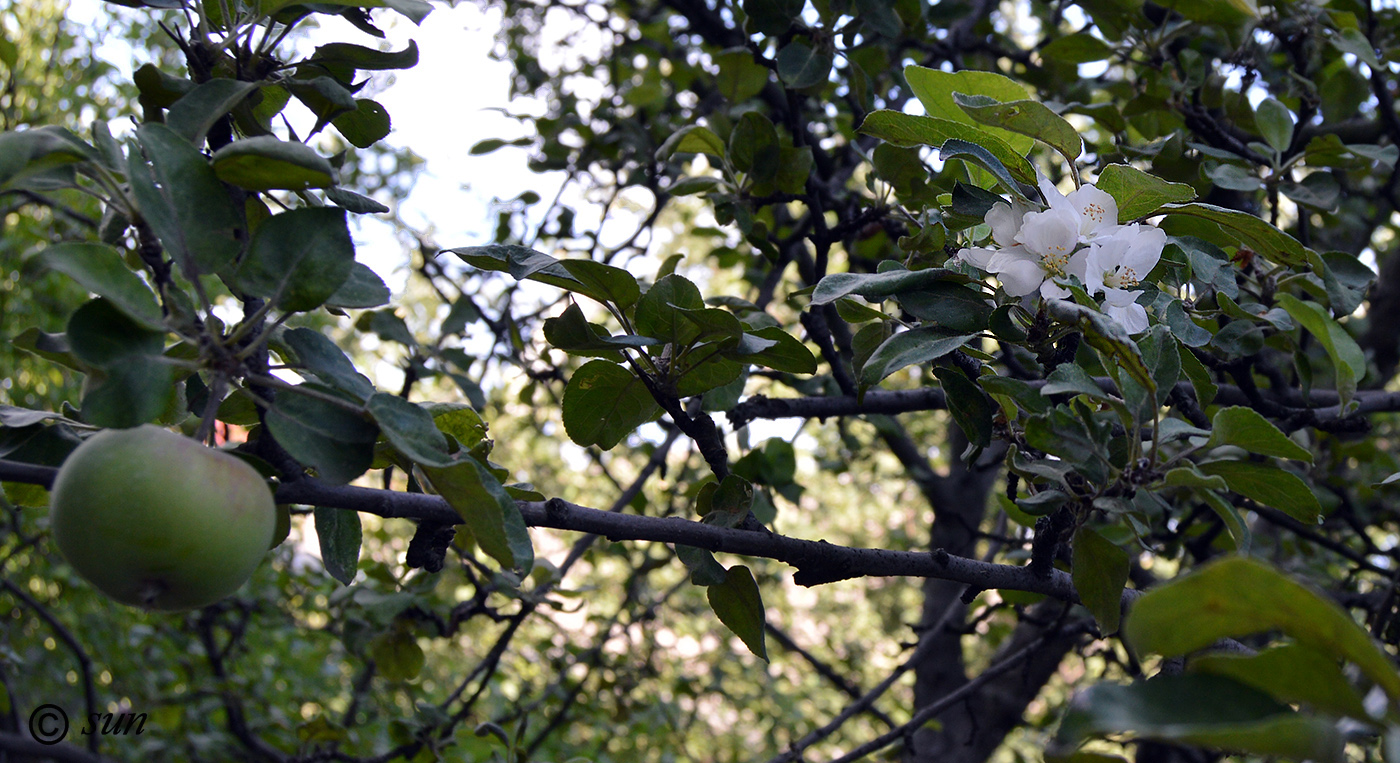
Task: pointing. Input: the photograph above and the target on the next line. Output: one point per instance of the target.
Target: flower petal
(1133, 318)
(977, 256)
(1019, 276)
(1098, 212)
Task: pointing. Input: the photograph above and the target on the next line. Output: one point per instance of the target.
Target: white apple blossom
(1118, 263)
(1047, 244)
(1077, 235)
(1005, 220)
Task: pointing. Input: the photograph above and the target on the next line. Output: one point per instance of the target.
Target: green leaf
(800, 66)
(196, 112)
(1291, 673)
(100, 269)
(689, 186)
(1106, 336)
(265, 163)
(902, 129)
(692, 139)
(413, 10)
(1190, 476)
(525, 263)
(725, 503)
(30, 153)
(459, 421)
(360, 57)
(318, 355)
(951, 305)
(339, 532)
(1023, 394)
(1353, 41)
(397, 656)
(1100, 570)
(657, 315)
(366, 125)
(604, 403)
(772, 17)
(1275, 123)
(713, 324)
(1230, 515)
(1217, 12)
(487, 509)
(878, 286)
(323, 96)
(9, 56)
(1199, 375)
(274, 99)
(182, 199)
(1238, 597)
(1183, 328)
(1139, 194)
(1245, 428)
(1346, 279)
(1062, 433)
(739, 606)
(363, 288)
(1271, 486)
(613, 284)
(410, 429)
(710, 372)
(354, 202)
(704, 570)
(740, 78)
(787, 353)
(572, 333)
(854, 311)
(337, 443)
(908, 348)
(1071, 379)
(970, 407)
(753, 147)
(157, 89)
(1251, 231)
(129, 382)
(1202, 710)
(299, 259)
(51, 347)
(1026, 117)
(934, 89)
(387, 325)
(1079, 48)
(1347, 357)
(954, 148)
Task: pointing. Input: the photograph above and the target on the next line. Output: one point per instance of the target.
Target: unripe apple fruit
(156, 520)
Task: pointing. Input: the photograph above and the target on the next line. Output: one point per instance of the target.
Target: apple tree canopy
(934, 381)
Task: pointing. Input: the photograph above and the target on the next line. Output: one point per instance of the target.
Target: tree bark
(971, 731)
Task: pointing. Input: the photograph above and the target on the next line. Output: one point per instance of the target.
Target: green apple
(156, 520)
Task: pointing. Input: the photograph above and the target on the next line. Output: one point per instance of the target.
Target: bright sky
(440, 108)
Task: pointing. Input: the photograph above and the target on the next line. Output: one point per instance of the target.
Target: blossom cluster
(1076, 235)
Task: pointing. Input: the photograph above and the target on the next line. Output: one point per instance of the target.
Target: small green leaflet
(604, 403)
(739, 606)
(339, 533)
(1244, 428)
(1238, 597)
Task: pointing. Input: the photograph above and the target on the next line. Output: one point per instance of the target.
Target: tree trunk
(972, 730)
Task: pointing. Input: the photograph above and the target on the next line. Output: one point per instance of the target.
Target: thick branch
(932, 398)
(816, 561)
(62, 753)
